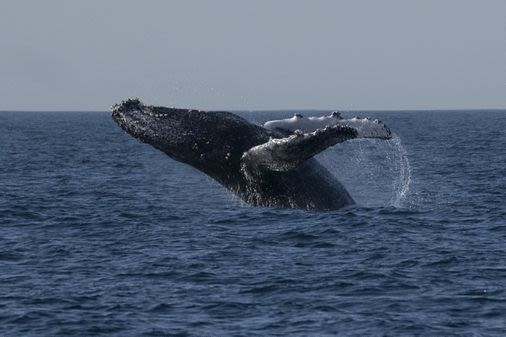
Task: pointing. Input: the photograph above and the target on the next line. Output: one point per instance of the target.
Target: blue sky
(390, 54)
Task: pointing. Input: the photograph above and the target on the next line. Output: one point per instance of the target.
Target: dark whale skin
(215, 142)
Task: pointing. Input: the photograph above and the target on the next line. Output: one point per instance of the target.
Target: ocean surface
(103, 235)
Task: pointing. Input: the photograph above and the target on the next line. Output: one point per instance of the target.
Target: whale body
(264, 166)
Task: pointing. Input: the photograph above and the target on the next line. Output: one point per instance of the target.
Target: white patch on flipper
(365, 127)
(265, 154)
(306, 124)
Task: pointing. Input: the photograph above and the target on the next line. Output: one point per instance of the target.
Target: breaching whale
(271, 166)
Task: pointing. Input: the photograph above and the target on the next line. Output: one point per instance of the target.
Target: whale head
(209, 141)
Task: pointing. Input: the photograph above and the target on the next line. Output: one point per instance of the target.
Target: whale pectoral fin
(287, 153)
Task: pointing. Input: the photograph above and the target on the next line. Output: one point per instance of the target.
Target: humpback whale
(265, 166)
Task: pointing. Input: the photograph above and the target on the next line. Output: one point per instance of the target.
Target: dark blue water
(103, 235)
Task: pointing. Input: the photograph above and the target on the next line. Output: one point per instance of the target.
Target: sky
(248, 55)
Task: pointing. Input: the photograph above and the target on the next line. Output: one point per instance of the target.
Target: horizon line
(286, 110)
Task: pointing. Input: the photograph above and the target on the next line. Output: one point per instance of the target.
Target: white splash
(402, 183)
(376, 173)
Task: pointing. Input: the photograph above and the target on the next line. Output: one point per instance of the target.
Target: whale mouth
(133, 106)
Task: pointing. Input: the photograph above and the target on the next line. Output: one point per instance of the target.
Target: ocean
(102, 235)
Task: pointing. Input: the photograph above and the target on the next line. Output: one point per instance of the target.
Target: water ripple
(103, 235)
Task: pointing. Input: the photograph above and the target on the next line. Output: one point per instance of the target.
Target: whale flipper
(366, 127)
(283, 154)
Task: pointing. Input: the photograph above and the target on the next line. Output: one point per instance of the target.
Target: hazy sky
(388, 54)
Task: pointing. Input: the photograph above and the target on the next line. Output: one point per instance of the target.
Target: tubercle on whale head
(134, 104)
(128, 104)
